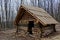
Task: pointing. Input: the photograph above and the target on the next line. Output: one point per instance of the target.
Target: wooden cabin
(35, 14)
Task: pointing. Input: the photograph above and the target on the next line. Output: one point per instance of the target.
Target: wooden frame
(38, 14)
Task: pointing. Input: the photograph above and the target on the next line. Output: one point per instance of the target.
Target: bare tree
(2, 14)
(52, 7)
(59, 12)
(6, 12)
(21, 1)
(45, 4)
(0, 19)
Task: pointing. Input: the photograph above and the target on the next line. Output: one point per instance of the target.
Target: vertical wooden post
(40, 25)
(53, 25)
(41, 32)
(16, 29)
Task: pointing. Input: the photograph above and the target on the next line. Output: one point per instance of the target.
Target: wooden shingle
(38, 13)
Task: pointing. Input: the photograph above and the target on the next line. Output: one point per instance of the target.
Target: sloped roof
(40, 14)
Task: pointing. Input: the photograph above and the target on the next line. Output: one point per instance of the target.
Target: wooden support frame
(53, 26)
(42, 16)
(41, 32)
(40, 25)
(17, 28)
(41, 28)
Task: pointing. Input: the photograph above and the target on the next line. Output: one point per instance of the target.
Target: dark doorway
(30, 25)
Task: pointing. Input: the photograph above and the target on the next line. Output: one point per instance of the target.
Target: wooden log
(17, 28)
(40, 25)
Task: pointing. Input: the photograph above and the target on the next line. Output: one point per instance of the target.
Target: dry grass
(23, 35)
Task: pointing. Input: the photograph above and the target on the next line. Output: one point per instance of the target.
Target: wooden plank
(19, 16)
(46, 18)
(27, 16)
(40, 14)
(33, 8)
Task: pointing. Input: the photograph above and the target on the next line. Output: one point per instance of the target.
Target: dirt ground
(23, 35)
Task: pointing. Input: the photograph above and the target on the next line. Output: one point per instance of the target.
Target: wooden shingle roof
(38, 13)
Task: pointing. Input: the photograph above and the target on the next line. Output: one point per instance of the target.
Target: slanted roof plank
(38, 13)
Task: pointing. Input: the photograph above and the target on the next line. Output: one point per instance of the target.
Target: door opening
(30, 25)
